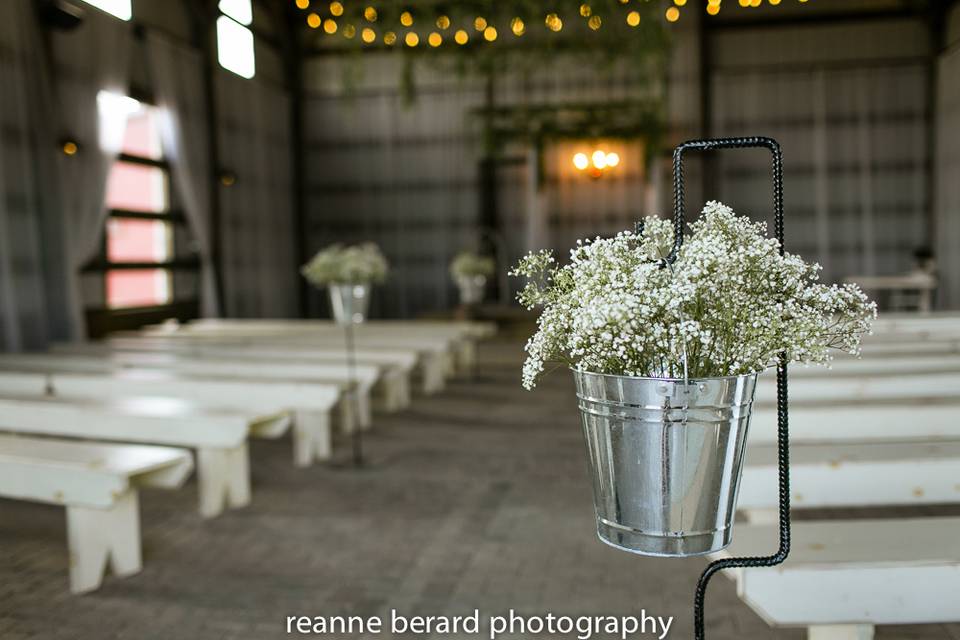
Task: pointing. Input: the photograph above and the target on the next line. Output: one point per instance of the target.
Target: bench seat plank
(854, 572)
(97, 483)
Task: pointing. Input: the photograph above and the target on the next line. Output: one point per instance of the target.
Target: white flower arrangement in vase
(470, 271)
(347, 272)
(678, 347)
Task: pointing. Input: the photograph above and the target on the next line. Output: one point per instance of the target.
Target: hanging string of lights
(368, 21)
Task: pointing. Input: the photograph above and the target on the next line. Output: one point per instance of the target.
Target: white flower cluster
(468, 264)
(730, 302)
(337, 264)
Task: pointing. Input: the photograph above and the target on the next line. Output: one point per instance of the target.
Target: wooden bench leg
(434, 367)
(840, 632)
(364, 409)
(347, 417)
(96, 537)
(223, 477)
(312, 437)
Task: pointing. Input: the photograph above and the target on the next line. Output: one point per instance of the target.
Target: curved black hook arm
(783, 439)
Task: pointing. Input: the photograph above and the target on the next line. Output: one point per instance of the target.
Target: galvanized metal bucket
(665, 459)
(349, 302)
(471, 288)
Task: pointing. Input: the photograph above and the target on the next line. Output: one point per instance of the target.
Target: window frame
(103, 318)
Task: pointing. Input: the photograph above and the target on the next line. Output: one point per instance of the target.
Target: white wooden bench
(848, 474)
(239, 371)
(862, 388)
(310, 405)
(219, 437)
(899, 420)
(97, 483)
(844, 577)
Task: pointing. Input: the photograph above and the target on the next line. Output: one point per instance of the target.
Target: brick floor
(476, 498)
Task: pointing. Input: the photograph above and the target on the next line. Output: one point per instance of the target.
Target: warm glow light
(443, 22)
(390, 38)
(679, 3)
(70, 148)
(314, 21)
(336, 8)
(370, 14)
(330, 26)
(461, 37)
(599, 159)
(713, 9)
(580, 161)
(480, 23)
(673, 14)
(756, 3)
(490, 34)
(517, 26)
(633, 18)
(585, 10)
(553, 22)
(613, 159)
(774, 2)
(368, 35)
(435, 39)
(594, 22)
(406, 19)
(349, 31)
(412, 39)
(744, 3)
(303, 4)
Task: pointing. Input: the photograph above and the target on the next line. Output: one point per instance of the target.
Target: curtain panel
(177, 74)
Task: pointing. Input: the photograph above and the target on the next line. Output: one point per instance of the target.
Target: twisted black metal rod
(783, 438)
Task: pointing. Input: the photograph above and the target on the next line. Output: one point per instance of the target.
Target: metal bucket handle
(783, 440)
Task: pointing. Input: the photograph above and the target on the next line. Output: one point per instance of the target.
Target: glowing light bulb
(313, 21)
(330, 26)
(517, 26)
(406, 19)
(480, 23)
(435, 39)
(336, 8)
(599, 159)
(368, 35)
(370, 13)
(490, 34)
(673, 14)
(443, 22)
(613, 159)
(585, 10)
(633, 18)
(412, 39)
(679, 3)
(713, 9)
(553, 22)
(461, 37)
(580, 161)
(390, 38)
(594, 22)
(303, 4)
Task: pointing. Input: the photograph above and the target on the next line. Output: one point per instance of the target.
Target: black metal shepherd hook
(783, 440)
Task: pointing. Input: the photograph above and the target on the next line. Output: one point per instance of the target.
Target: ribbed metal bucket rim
(676, 380)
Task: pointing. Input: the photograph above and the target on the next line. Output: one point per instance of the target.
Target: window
(119, 8)
(235, 48)
(140, 227)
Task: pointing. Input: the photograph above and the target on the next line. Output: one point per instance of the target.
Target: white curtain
(103, 43)
(178, 83)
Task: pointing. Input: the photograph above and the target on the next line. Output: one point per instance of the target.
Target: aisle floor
(475, 499)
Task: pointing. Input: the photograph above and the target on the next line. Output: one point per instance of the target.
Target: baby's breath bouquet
(729, 301)
(467, 264)
(339, 264)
